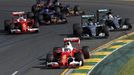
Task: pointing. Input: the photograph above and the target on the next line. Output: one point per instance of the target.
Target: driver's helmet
(66, 49)
(66, 44)
(21, 18)
(91, 21)
(108, 13)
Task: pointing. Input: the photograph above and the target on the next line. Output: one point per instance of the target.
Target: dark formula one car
(75, 11)
(116, 23)
(90, 28)
(21, 22)
(36, 8)
(40, 4)
(68, 55)
(47, 16)
(56, 6)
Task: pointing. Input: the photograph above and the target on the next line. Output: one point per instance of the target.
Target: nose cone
(64, 60)
(24, 27)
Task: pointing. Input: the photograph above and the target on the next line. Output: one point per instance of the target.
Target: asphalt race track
(20, 53)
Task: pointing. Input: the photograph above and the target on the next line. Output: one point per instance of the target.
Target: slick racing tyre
(36, 25)
(70, 59)
(11, 27)
(8, 26)
(7, 23)
(30, 15)
(86, 52)
(77, 30)
(49, 58)
(56, 52)
(110, 24)
(80, 58)
(40, 19)
(105, 31)
(127, 22)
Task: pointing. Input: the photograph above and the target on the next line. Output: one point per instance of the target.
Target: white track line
(15, 73)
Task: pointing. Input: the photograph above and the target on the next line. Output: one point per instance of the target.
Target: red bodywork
(24, 24)
(66, 54)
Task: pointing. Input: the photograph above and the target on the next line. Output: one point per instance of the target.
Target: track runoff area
(100, 54)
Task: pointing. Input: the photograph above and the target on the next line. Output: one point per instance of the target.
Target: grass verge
(128, 69)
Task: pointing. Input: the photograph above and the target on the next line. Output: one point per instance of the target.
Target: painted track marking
(15, 73)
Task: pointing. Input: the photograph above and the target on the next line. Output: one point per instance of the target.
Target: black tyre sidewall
(86, 52)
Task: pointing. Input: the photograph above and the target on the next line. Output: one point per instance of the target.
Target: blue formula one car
(47, 16)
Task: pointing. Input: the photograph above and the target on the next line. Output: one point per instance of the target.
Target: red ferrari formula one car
(70, 55)
(21, 22)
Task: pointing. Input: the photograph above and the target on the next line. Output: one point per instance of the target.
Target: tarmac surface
(19, 53)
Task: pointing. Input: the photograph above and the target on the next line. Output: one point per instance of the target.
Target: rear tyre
(77, 30)
(7, 23)
(80, 58)
(106, 31)
(86, 52)
(49, 58)
(41, 19)
(127, 22)
(55, 49)
(8, 26)
(110, 24)
(56, 52)
(36, 25)
(11, 27)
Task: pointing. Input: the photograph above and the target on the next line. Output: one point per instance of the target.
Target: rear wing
(75, 39)
(103, 10)
(87, 16)
(18, 13)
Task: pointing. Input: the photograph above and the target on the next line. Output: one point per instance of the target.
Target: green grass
(130, 37)
(128, 69)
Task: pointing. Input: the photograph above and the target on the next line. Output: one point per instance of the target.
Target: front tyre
(7, 23)
(80, 58)
(86, 52)
(77, 30)
(127, 22)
